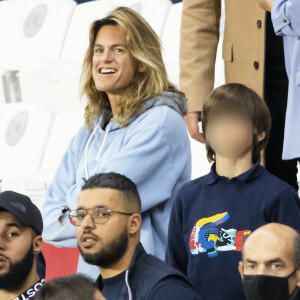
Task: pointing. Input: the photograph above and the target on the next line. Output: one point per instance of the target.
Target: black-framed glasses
(99, 215)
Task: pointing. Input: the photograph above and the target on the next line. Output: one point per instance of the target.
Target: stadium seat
(200, 164)
(31, 31)
(57, 82)
(24, 131)
(35, 183)
(66, 125)
(78, 34)
(219, 65)
(53, 83)
(59, 261)
(171, 42)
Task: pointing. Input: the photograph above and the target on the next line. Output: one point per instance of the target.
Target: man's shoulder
(196, 183)
(169, 281)
(149, 266)
(150, 262)
(172, 288)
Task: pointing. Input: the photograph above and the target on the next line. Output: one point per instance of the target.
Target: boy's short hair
(75, 287)
(237, 97)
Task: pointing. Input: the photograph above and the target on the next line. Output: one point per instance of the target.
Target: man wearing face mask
(270, 267)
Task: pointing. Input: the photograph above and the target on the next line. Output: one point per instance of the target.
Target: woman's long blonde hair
(145, 48)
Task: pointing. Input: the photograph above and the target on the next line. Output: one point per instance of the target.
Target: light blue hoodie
(153, 151)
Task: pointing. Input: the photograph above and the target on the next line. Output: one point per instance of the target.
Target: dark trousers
(275, 94)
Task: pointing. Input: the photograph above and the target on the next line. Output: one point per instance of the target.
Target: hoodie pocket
(227, 53)
(298, 78)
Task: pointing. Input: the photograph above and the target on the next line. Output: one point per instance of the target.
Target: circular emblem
(16, 128)
(35, 20)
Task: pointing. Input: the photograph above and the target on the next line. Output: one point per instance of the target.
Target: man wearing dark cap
(21, 227)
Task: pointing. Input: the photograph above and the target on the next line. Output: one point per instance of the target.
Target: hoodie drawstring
(128, 287)
(99, 152)
(104, 140)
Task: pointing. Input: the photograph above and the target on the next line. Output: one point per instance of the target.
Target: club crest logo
(35, 20)
(16, 128)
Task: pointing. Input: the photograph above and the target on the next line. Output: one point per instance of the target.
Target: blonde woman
(134, 126)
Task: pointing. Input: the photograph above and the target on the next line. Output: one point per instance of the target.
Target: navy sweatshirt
(211, 218)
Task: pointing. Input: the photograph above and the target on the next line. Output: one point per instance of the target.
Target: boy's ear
(241, 269)
(261, 137)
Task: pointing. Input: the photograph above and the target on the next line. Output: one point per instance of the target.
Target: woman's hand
(265, 4)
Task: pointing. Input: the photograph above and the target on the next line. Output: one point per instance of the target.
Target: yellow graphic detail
(212, 219)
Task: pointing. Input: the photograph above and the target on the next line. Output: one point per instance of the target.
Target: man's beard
(17, 273)
(112, 253)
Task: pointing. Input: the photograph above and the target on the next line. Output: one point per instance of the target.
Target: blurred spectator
(73, 287)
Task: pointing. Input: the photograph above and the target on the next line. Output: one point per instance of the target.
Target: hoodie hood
(170, 99)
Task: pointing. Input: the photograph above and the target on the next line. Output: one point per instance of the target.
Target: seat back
(53, 83)
(77, 38)
(65, 126)
(24, 131)
(32, 31)
(171, 42)
(59, 261)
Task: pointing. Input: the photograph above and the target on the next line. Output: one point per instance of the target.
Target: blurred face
(271, 255)
(16, 252)
(113, 66)
(230, 135)
(102, 244)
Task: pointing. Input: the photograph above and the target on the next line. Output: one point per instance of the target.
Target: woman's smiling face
(113, 66)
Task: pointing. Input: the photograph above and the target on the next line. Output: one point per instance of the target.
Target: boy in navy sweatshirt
(213, 214)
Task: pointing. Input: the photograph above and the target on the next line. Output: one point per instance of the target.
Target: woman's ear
(134, 223)
(261, 137)
(141, 67)
(37, 244)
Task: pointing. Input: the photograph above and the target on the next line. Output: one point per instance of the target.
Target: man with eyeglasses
(108, 222)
